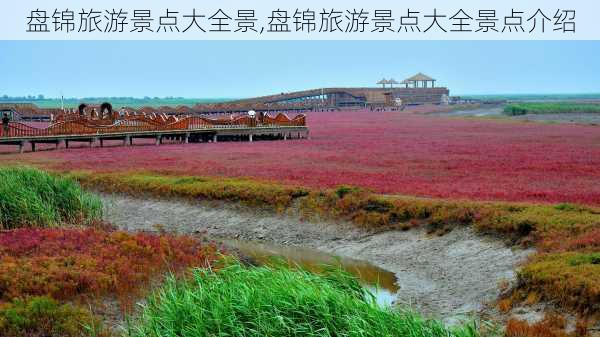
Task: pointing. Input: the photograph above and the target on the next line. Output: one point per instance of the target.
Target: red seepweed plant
(72, 263)
(387, 152)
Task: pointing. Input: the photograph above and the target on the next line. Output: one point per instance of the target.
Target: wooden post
(158, 140)
(32, 146)
(101, 142)
(22, 146)
(66, 143)
(126, 141)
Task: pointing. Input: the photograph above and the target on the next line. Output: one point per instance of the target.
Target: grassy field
(517, 109)
(275, 301)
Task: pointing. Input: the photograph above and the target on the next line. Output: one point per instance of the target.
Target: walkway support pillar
(214, 138)
(158, 140)
(22, 146)
(126, 141)
(186, 139)
(32, 146)
(250, 137)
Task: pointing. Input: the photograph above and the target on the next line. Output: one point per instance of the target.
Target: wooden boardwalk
(186, 130)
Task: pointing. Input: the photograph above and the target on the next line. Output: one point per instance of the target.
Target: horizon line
(245, 97)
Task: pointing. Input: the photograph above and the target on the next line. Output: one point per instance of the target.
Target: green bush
(43, 316)
(33, 198)
(275, 301)
(517, 109)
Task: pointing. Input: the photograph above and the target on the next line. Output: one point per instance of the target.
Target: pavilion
(419, 80)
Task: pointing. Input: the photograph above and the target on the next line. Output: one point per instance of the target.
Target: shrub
(549, 108)
(30, 197)
(274, 301)
(341, 191)
(71, 263)
(571, 278)
(43, 316)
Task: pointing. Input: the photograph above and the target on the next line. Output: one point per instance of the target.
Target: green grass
(517, 109)
(275, 301)
(33, 198)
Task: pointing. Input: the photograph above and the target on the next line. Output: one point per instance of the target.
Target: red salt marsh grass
(388, 152)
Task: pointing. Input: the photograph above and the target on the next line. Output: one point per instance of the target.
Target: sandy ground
(438, 276)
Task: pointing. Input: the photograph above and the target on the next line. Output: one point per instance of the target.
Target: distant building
(417, 89)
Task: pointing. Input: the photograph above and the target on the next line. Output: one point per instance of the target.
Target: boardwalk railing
(141, 123)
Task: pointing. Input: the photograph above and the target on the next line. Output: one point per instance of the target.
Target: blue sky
(210, 69)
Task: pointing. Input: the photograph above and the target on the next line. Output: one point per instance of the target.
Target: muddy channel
(448, 277)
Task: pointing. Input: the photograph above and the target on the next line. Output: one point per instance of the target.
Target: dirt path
(439, 276)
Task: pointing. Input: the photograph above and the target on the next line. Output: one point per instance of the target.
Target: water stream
(380, 282)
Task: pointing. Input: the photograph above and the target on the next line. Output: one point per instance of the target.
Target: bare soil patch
(440, 276)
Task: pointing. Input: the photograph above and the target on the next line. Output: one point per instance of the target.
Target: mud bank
(442, 277)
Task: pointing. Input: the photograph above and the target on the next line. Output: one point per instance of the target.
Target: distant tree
(40, 97)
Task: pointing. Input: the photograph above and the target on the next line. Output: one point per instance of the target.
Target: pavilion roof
(392, 81)
(383, 81)
(419, 77)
